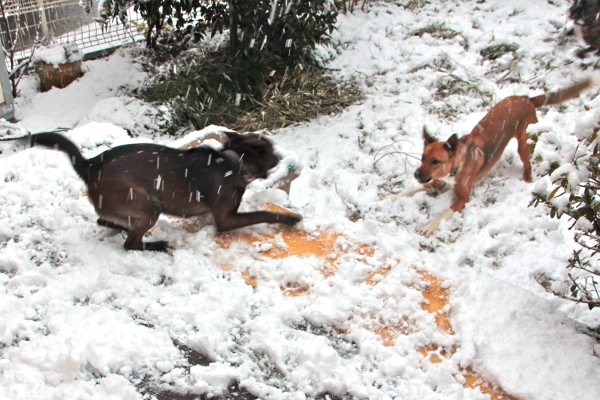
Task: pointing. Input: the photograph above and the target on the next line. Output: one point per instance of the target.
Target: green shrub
(279, 33)
(203, 92)
(269, 41)
(274, 32)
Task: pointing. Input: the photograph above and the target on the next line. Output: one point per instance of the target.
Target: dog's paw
(290, 219)
(428, 230)
(159, 245)
(431, 227)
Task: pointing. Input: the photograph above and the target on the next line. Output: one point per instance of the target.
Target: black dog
(586, 15)
(131, 185)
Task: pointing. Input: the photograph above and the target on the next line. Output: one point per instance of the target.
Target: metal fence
(23, 22)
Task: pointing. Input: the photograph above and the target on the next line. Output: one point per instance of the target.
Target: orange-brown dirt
(323, 245)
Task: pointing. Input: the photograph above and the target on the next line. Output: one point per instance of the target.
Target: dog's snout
(420, 178)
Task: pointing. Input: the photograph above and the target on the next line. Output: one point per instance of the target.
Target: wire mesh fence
(24, 22)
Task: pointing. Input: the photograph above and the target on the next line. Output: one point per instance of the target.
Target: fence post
(7, 110)
(44, 20)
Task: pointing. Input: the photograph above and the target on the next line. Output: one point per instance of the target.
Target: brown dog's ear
(451, 143)
(427, 137)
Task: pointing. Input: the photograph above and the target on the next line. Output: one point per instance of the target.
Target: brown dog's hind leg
(524, 151)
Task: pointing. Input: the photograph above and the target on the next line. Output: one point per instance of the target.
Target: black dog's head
(584, 11)
(255, 151)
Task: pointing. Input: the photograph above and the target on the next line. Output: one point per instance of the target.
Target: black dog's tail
(57, 141)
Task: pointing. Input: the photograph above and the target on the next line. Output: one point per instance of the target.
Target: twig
(494, 183)
(341, 198)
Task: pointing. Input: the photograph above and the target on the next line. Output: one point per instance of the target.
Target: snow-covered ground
(81, 318)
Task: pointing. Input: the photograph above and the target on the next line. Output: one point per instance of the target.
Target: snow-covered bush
(159, 15)
(267, 52)
(279, 32)
(283, 29)
(576, 197)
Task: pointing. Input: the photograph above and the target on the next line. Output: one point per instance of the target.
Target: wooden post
(7, 110)
(44, 20)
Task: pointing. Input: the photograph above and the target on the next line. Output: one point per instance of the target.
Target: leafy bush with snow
(279, 32)
(575, 196)
(283, 30)
(264, 54)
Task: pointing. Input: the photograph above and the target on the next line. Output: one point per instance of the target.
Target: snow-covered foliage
(574, 196)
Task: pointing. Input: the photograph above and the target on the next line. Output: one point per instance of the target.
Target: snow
(83, 318)
(57, 53)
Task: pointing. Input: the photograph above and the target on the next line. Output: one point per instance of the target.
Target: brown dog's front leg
(462, 194)
(524, 151)
(431, 227)
(134, 242)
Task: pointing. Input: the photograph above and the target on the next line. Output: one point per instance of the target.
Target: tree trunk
(233, 25)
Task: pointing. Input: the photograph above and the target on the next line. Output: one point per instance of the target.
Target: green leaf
(553, 193)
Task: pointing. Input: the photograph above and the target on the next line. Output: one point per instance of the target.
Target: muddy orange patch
(324, 245)
(301, 244)
(389, 334)
(436, 299)
(474, 380)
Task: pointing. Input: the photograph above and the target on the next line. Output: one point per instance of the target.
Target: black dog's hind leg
(159, 245)
(135, 238)
(111, 225)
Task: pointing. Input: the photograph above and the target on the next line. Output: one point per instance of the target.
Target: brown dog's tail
(565, 94)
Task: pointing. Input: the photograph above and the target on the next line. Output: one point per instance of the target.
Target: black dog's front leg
(226, 215)
(234, 220)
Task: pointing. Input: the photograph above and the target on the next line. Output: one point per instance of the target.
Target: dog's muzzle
(419, 177)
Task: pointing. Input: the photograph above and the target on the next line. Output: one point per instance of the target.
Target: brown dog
(131, 185)
(462, 162)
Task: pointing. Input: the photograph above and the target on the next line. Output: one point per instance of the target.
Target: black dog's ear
(427, 137)
(230, 134)
(451, 143)
(251, 143)
(260, 147)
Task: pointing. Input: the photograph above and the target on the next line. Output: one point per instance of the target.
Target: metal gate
(23, 22)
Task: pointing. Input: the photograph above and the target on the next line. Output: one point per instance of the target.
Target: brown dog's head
(255, 151)
(438, 158)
